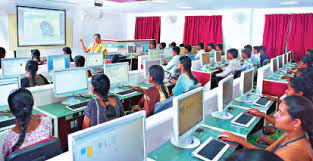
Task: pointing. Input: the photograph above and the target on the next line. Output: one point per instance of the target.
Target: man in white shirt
(211, 50)
(200, 48)
(172, 65)
(234, 64)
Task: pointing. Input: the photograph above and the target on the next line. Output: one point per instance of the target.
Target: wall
(85, 22)
(240, 26)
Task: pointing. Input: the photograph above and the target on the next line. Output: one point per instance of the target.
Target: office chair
(44, 150)
(164, 105)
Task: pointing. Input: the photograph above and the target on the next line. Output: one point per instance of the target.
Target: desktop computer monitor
(94, 60)
(188, 116)
(22, 53)
(13, 66)
(205, 59)
(168, 52)
(154, 53)
(274, 64)
(7, 85)
(225, 96)
(182, 51)
(148, 63)
(193, 50)
(58, 62)
(117, 73)
(246, 81)
(132, 49)
(280, 61)
(218, 56)
(122, 139)
(70, 82)
(285, 58)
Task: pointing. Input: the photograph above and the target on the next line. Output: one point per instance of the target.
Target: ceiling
(138, 6)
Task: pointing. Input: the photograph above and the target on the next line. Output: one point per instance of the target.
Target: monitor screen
(40, 26)
(190, 111)
(118, 140)
(193, 50)
(22, 53)
(148, 63)
(285, 58)
(168, 52)
(247, 81)
(132, 49)
(13, 66)
(205, 58)
(182, 51)
(280, 61)
(6, 86)
(146, 48)
(274, 64)
(70, 82)
(218, 56)
(154, 53)
(93, 60)
(117, 73)
(58, 62)
(227, 90)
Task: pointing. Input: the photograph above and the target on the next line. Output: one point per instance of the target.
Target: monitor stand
(222, 115)
(71, 101)
(244, 98)
(190, 142)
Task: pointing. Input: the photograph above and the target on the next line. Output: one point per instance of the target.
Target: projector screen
(40, 26)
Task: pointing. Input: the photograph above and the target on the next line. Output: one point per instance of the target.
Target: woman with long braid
(29, 129)
(33, 79)
(295, 117)
(158, 92)
(102, 108)
(186, 81)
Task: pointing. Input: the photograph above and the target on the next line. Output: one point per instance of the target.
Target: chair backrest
(237, 74)
(195, 64)
(44, 150)
(265, 62)
(164, 105)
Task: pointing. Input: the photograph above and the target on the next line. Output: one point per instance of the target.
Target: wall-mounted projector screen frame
(63, 27)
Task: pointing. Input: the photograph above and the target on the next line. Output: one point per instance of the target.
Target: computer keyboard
(78, 106)
(244, 118)
(211, 150)
(127, 92)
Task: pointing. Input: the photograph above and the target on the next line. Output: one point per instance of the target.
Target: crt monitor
(225, 96)
(148, 63)
(274, 64)
(182, 51)
(6, 86)
(117, 73)
(218, 56)
(246, 82)
(132, 49)
(22, 53)
(70, 82)
(94, 60)
(193, 50)
(280, 61)
(154, 53)
(188, 116)
(58, 62)
(122, 139)
(168, 52)
(205, 59)
(13, 66)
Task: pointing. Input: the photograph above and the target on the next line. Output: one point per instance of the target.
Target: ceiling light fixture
(289, 3)
(185, 7)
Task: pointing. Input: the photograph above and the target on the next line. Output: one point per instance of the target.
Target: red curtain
(206, 29)
(275, 33)
(148, 28)
(301, 34)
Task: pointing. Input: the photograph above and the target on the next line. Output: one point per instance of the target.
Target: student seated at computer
(36, 56)
(162, 46)
(188, 52)
(33, 79)
(211, 49)
(172, 64)
(305, 62)
(181, 45)
(158, 92)
(295, 117)
(186, 81)
(104, 107)
(96, 47)
(2, 54)
(200, 49)
(152, 45)
(247, 64)
(29, 129)
(173, 45)
(263, 55)
(80, 62)
(255, 56)
(68, 51)
(219, 47)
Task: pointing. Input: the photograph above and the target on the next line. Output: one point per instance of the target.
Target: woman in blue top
(102, 108)
(186, 80)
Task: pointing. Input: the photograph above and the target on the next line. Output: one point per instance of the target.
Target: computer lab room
(156, 80)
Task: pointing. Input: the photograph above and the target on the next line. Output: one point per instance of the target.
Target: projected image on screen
(38, 26)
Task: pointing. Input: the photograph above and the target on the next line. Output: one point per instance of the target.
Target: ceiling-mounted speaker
(171, 19)
(98, 3)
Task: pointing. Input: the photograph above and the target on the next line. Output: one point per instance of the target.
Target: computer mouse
(223, 136)
(230, 108)
(199, 130)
